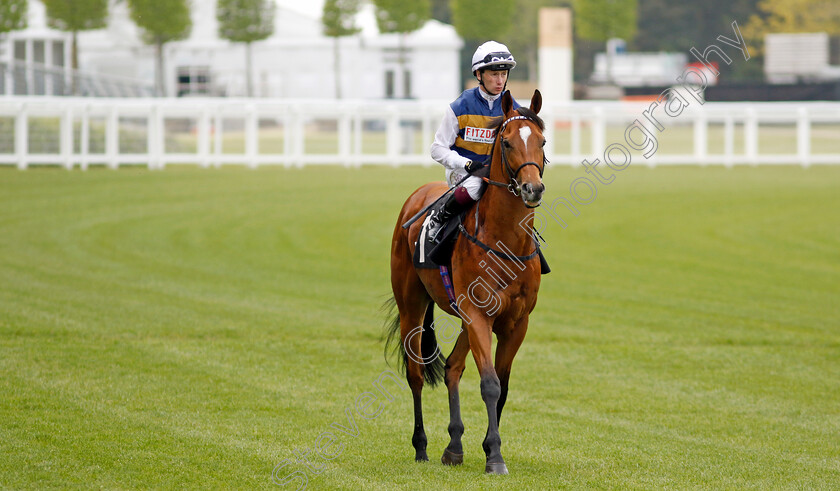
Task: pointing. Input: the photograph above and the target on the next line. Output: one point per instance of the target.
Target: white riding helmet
(492, 55)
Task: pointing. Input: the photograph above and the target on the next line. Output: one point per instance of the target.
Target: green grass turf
(192, 328)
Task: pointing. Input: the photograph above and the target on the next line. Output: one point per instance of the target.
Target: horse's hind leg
(410, 319)
(455, 364)
(421, 353)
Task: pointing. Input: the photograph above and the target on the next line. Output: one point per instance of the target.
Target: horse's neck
(503, 217)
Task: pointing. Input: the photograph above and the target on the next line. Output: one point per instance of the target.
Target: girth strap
(500, 254)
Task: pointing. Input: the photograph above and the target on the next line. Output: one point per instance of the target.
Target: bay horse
(496, 290)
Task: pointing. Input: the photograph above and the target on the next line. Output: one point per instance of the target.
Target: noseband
(513, 185)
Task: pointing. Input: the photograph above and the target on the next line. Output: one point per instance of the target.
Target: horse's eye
(505, 143)
(543, 143)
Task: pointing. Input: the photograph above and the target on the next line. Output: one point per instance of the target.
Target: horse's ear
(536, 101)
(507, 103)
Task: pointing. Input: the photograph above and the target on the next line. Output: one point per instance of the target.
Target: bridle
(513, 185)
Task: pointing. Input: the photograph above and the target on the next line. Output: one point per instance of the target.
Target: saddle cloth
(428, 255)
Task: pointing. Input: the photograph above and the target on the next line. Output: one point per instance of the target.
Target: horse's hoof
(450, 458)
(496, 468)
(421, 457)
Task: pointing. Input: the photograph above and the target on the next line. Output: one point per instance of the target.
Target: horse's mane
(495, 123)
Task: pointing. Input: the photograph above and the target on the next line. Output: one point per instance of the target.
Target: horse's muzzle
(532, 193)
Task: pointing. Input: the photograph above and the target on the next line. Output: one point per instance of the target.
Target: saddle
(428, 255)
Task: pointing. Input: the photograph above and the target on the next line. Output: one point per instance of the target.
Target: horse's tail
(433, 370)
(393, 344)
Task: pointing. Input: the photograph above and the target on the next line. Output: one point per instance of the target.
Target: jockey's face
(494, 80)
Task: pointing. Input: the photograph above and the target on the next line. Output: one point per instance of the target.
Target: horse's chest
(517, 299)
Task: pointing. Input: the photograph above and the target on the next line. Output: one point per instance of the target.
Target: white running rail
(209, 132)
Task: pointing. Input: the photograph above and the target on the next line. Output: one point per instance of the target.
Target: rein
(513, 185)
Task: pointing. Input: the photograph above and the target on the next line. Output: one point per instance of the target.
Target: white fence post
(160, 136)
(288, 138)
(358, 126)
(84, 138)
(66, 145)
(154, 137)
(575, 143)
(803, 137)
(344, 140)
(599, 131)
(392, 136)
(22, 137)
(203, 137)
(728, 141)
(112, 136)
(218, 134)
(550, 126)
(251, 136)
(751, 136)
(701, 140)
(651, 128)
(298, 137)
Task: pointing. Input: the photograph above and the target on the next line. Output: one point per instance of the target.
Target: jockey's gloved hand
(472, 167)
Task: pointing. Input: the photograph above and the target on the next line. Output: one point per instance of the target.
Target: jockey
(462, 142)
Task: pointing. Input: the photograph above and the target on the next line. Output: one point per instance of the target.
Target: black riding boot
(438, 221)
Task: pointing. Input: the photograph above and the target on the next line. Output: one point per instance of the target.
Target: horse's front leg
(480, 334)
(455, 364)
(509, 341)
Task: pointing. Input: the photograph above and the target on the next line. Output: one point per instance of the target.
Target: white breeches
(474, 185)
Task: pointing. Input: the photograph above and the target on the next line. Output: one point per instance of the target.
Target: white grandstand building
(297, 61)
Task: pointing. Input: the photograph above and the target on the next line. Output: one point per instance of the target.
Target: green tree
(13, 15)
(401, 17)
(600, 20)
(162, 21)
(246, 21)
(780, 16)
(476, 22)
(339, 20)
(74, 16)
